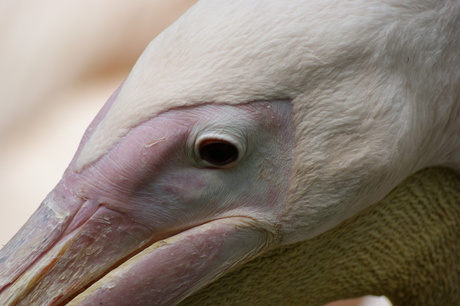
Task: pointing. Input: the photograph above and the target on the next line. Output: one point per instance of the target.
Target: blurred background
(59, 62)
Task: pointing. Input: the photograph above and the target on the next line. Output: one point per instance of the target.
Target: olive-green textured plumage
(406, 247)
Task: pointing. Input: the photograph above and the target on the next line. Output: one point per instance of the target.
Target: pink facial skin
(150, 220)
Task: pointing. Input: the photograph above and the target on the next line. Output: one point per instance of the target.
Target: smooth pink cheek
(188, 187)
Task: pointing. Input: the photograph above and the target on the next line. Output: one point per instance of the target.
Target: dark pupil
(219, 153)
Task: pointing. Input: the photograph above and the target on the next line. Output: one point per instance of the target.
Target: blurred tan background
(59, 62)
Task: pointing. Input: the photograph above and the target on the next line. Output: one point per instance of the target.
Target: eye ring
(217, 151)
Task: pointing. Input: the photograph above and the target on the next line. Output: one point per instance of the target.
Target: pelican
(255, 132)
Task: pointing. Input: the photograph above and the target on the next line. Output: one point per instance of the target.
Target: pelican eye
(218, 153)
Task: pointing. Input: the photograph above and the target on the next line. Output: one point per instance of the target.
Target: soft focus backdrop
(59, 62)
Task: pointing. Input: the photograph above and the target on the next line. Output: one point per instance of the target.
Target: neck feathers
(405, 247)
